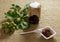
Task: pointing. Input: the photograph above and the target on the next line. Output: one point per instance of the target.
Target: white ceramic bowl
(52, 31)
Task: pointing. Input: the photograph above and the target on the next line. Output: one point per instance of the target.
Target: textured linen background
(50, 15)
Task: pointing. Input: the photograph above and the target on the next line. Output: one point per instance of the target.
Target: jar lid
(34, 4)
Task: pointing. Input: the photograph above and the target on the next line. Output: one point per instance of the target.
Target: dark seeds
(34, 19)
(47, 33)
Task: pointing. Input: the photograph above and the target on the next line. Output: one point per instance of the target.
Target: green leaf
(13, 4)
(24, 24)
(26, 6)
(26, 18)
(15, 7)
(7, 30)
(5, 25)
(11, 15)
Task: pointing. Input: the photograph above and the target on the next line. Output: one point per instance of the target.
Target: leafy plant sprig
(18, 18)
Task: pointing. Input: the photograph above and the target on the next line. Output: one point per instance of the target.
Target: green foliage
(18, 18)
(9, 27)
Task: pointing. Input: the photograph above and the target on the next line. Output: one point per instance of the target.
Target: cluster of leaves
(9, 27)
(18, 18)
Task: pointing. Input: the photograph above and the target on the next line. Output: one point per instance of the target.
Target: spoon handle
(26, 32)
(30, 31)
